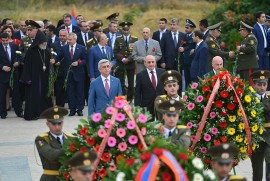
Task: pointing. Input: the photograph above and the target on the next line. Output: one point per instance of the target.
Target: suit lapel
(53, 142)
(98, 50)
(101, 84)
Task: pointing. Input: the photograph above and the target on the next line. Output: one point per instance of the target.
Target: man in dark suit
(217, 65)
(68, 25)
(22, 32)
(103, 89)
(157, 35)
(9, 67)
(260, 33)
(97, 53)
(204, 28)
(83, 35)
(148, 86)
(74, 59)
(50, 32)
(199, 63)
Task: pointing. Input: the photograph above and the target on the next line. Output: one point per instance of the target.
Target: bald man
(143, 47)
(217, 65)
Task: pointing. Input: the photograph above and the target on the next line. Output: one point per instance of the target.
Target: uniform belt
(51, 172)
(267, 125)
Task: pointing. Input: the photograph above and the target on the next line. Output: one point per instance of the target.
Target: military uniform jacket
(91, 42)
(236, 178)
(50, 150)
(181, 136)
(247, 54)
(214, 50)
(25, 44)
(124, 50)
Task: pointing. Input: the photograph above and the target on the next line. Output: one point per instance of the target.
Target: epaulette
(89, 40)
(267, 95)
(70, 135)
(235, 177)
(119, 36)
(163, 96)
(133, 36)
(249, 35)
(43, 135)
(181, 126)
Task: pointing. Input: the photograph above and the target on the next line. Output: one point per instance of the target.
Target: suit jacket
(49, 40)
(17, 35)
(156, 35)
(94, 56)
(259, 35)
(79, 53)
(210, 73)
(56, 46)
(80, 38)
(170, 55)
(75, 29)
(145, 94)
(187, 58)
(199, 65)
(4, 61)
(98, 98)
(139, 53)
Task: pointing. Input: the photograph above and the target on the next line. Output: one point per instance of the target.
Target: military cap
(170, 107)
(113, 16)
(190, 23)
(215, 26)
(54, 114)
(32, 24)
(267, 17)
(244, 25)
(223, 153)
(96, 27)
(125, 25)
(82, 161)
(170, 76)
(260, 76)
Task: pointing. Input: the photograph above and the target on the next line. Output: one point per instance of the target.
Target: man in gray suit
(144, 47)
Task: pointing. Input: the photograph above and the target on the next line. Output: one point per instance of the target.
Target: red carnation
(102, 172)
(216, 142)
(219, 104)
(140, 147)
(242, 84)
(157, 151)
(208, 96)
(183, 156)
(97, 148)
(214, 77)
(121, 56)
(206, 80)
(166, 176)
(72, 147)
(145, 156)
(224, 139)
(83, 131)
(224, 94)
(130, 161)
(213, 84)
(79, 61)
(66, 175)
(239, 91)
(94, 177)
(224, 113)
(153, 49)
(223, 124)
(82, 149)
(183, 42)
(231, 106)
(105, 157)
(90, 141)
(235, 99)
(207, 161)
(119, 158)
(205, 88)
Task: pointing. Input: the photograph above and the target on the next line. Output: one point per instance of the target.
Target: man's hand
(6, 68)
(16, 64)
(191, 51)
(74, 64)
(163, 65)
(181, 49)
(125, 61)
(231, 54)
(52, 61)
(257, 57)
(57, 64)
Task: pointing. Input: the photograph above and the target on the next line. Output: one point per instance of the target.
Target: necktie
(111, 40)
(170, 133)
(85, 38)
(103, 52)
(174, 39)
(261, 98)
(146, 46)
(154, 80)
(126, 40)
(71, 53)
(7, 53)
(67, 29)
(107, 87)
(58, 139)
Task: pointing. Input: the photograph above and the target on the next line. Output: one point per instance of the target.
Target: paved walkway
(19, 159)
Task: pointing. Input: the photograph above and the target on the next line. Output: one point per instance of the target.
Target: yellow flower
(232, 118)
(261, 131)
(245, 140)
(257, 100)
(254, 128)
(254, 146)
(239, 138)
(231, 131)
(251, 89)
(247, 98)
(239, 112)
(243, 149)
(253, 113)
(241, 126)
(245, 157)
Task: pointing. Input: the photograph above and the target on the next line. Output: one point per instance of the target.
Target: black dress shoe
(80, 113)
(71, 114)
(20, 115)
(3, 117)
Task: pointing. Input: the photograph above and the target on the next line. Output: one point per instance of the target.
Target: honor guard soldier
(170, 79)
(214, 48)
(171, 110)
(260, 83)
(96, 29)
(49, 144)
(222, 161)
(113, 18)
(123, 48)
(81, 165)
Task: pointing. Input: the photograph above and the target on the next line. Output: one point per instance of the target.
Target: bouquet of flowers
(163, 161)
(223, 108)
(114, 134)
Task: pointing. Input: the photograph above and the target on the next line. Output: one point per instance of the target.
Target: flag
(73, 16)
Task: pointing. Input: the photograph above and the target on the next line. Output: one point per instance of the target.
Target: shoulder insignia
(181, 126)
(267, 95)
(133, 36)
(235, 177)
(41, 143)
(249, 35)
(213, 46)
(163, 96)
(43, 135)
(89, 40)
(70, 135)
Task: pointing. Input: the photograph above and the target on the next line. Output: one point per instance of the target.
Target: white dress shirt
(259, 96)
(53, 38)
(150, 75)
(161, 33)
(60, 136)
(83, 36)
(112, 39)
(103, 81)
(167, 131)
(175, 35)
(70, 28)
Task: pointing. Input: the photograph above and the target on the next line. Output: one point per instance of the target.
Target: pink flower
(130, 125)
(212, 115)
(190, 106)
(185, 98)
(112, 167)
(192, 138)
(203, 150)
(120, 132)
(120, 117)
(142, 118)
(107, 123)
(119, 104)
(133, 139)
(122, 146)
(143, 131)
(189, 124)
(194, 85)
(109, 110)
(111, 141)
(214, 131)
(96, 117)
(102, 133)
(199, 99)
(207, 137)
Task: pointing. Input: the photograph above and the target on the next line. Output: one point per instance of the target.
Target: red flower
(82, 149)
(119, 158)
(213, 83)
(231, 106)
(224, 113)
(102, 172)
(121, 56)
(242, 84)
(166, 176)
(216, 142)
(207, 161)
(183, 42)
(219, 104)
(183, 156)
(140, 147)
(130, 161)
(235, 99)
(153, 49)
(106, 157)
(66, 175)
(145, 156)
(157, 151)
(206, 80)
(72, 147)
(208, 96)
(239, 91)
(83, 131)
(237, 43)
(205, 88)
(236, 79)
(79, 61)
(224, 94)
(94, 177)
(97, 148)
(224, 139)
(161, 130)
(214, 77)
(223, 125)
(90, 141)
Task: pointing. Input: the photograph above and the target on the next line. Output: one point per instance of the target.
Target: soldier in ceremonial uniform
(125, 65)
(214, 46)
(96, 29)
(81, 165)
(247, 61)
(112, 18)
(171, 110)
(49, 144)
(170, 79)
(222, 161)
(260, 83)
